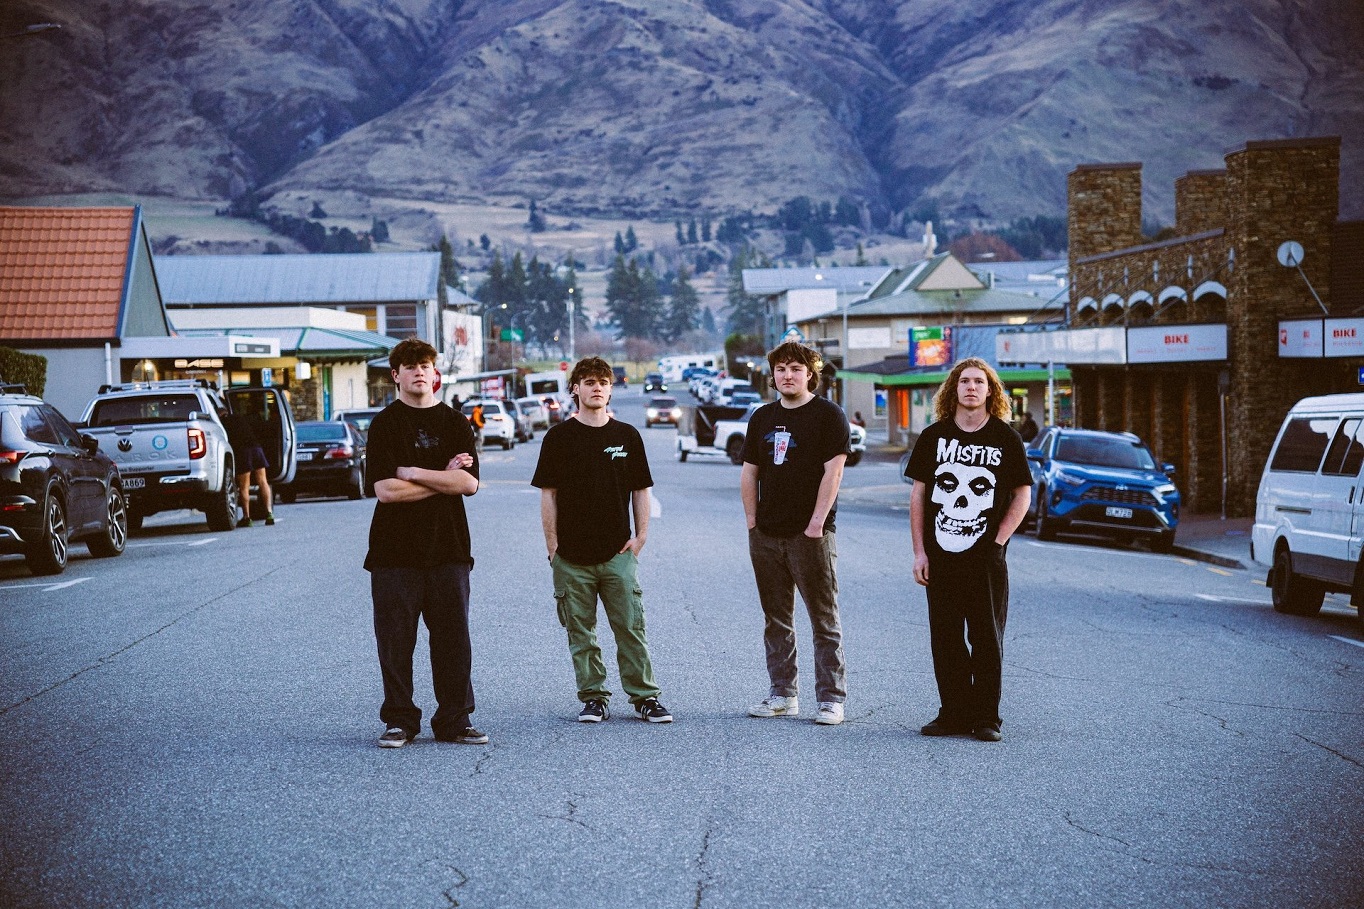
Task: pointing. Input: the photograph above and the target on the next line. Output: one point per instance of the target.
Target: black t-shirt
(432, 531)
(788, 481)
(970, 479)
(594, 469)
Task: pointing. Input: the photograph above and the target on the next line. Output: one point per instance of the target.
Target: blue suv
(1101, 482)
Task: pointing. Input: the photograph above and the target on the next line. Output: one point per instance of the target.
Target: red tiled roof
(62, 271)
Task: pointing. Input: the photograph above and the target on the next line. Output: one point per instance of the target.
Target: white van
(1309, 511)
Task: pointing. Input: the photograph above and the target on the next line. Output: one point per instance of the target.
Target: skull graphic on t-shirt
(964, 493)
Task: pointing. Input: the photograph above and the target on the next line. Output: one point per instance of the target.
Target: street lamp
(572, 327)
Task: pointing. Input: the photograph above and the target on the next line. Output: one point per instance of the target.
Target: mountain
(665, 107)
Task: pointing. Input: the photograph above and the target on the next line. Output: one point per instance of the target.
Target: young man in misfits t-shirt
(422, 463)
(794, 454)
(592, 474)
(972, 488)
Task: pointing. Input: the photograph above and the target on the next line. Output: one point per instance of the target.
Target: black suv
(56, 486)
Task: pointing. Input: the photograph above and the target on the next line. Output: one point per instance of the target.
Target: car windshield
(662, 403)
(147, 409)
(321, 432)
(1100, 452)
(360, 418)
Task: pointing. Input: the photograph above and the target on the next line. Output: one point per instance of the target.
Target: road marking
(1225, 574)
(655, 507)
(1212, 598)
(1346, 640)
(203, 542)
(61, 585)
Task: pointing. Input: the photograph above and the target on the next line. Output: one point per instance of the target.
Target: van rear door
(1333, 501)
(270, 415)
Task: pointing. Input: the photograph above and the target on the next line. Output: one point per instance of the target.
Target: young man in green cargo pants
(592, 474)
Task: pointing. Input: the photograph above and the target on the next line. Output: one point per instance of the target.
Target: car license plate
(134, 482)
(305, 455)
(1115, 512)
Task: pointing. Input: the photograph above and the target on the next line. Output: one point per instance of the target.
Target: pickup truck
(172, 449)
(720, 431)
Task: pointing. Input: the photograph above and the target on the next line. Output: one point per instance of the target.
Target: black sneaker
(987, 732)
(270, 519)
(394, 737)
(470, 736)
(651, 711)
(940, 726)
(594, 711)
(244, 522)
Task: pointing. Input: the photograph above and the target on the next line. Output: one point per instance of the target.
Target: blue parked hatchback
(1102, 482)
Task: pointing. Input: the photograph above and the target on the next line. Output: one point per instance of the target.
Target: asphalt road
(193, 724)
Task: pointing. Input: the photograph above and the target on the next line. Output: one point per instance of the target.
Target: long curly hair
(996, 403)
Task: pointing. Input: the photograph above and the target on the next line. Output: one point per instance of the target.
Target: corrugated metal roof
(339, 278)
(843, 279)
(939, 302)
(63, 271)
(304, 340)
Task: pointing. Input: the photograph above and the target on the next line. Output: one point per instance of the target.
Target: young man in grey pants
(793, 464)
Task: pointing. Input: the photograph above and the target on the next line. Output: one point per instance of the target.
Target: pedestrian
(592, 474)
(422, 463)
(1028, 430)
(476, 419)
(857, 419)
(971, 490)
(793, 464)
(251, 464)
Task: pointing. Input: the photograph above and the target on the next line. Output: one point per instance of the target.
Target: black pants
(973, 598)
(440, 596)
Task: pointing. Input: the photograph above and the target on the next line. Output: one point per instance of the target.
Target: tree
(536, 221)
(632, 299)
(317, 211)
(631, 241)
(378, 230)
(484, 243)
(684, 311)
(620, 244)
(691, 231)
(705, 229)
(708, 322)
(681, 238)
(747, 313)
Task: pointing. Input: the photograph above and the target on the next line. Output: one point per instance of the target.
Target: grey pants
(781, 566)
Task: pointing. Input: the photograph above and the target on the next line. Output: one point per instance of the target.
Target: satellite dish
(1290, 254)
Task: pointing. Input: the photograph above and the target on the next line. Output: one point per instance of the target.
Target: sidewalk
(1205, 537)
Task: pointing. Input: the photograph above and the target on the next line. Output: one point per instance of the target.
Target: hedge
(19, 368)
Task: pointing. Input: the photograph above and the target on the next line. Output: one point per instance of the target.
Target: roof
(313, 343)
(64, 271)
(945, 303)
(323, 278)
(843, 278)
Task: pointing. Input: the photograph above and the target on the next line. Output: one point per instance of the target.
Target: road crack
(110, 657)
(571, 817)
(705, 878)
(1328, 748)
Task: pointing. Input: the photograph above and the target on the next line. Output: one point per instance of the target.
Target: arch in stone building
(1210, 301)
(1087, 310)
(1112, 310)
(1141, 308)
(1173, 304)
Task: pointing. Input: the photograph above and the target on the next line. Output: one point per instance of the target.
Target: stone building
(1200, 343)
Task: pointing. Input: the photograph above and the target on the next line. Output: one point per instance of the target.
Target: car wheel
(854, 458)
(1046, 526)
(115, 537)
(222, 508)
(287, 496)
(47, 554)
(735, 449)
(356, 488)
(1293, 594)
(1165, 542)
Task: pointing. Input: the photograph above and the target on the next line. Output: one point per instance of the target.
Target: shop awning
(902, 379)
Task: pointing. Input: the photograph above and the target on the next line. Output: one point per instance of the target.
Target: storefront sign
(201, 363)
(1343, 337)
(246, 349)
(1176, 343)
(930, 346)
(1300, 338)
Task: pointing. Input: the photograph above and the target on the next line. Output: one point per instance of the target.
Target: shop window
(400, 321)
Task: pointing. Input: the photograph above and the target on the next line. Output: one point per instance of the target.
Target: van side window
(1303, 443)
(1346, 453)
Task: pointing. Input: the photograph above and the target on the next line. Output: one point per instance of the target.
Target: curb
(1209, 557)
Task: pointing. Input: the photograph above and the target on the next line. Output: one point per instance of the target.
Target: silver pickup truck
(171, 447)
(711, 429)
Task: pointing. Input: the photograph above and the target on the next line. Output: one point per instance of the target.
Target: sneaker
(470, 736)
(940, 726)
(776, 705)
(244, 522)
(394, 737)
(830, 713)
(988, 732)
(651, 711)
(594, 711)
(270, 519)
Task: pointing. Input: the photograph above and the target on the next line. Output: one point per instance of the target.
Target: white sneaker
(776, 706)
(830, 713)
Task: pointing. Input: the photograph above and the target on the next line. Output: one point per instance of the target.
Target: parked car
(719, 430)
(1102, 482)
(653, 381)
(498, 424)
(558, 411)
(173, 452)
(1309, 513)
(360, 418)
(331, 461)
(56, 486)
(744, 398)
(525, 423)
(662, 410)
(535, 407)
(619, 373)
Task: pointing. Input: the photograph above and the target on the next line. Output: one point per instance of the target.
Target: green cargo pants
(576, 589)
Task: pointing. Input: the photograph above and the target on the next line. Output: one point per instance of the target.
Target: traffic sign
(793, 334)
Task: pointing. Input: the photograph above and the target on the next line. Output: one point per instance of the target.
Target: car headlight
(1165, 491)
(651, 413)
(1069, 480)
(676, 413)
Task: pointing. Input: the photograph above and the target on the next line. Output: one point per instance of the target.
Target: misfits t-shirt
(594, 470)
(790, 446)
(970, 477)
